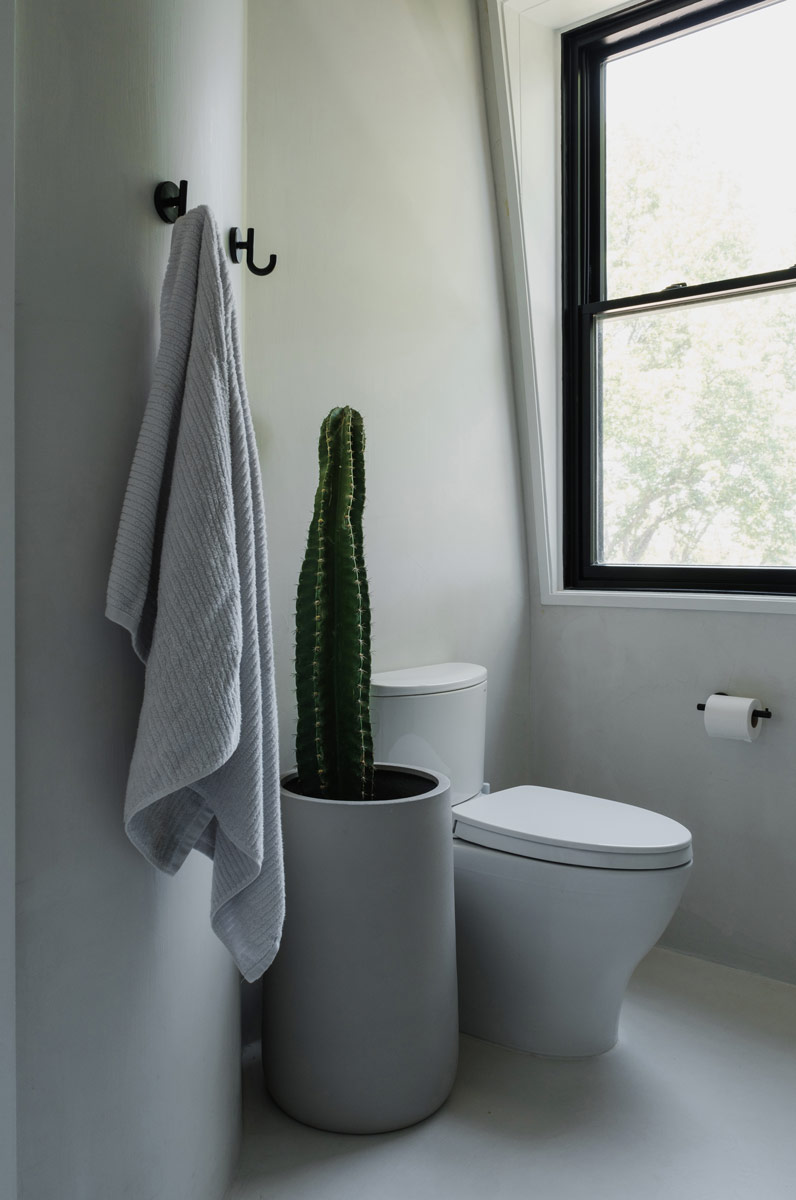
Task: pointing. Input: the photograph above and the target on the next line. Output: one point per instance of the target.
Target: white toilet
(558, 895)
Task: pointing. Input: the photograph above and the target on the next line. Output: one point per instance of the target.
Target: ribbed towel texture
(189, 581)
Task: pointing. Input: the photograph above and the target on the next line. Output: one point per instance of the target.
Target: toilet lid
(566, 827)
(422, 681)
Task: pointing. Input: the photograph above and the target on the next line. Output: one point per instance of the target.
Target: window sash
(583, 53)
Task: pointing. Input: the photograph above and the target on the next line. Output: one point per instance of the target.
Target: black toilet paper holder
(757, 713)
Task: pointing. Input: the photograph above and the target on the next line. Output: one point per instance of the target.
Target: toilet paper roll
(731, 717)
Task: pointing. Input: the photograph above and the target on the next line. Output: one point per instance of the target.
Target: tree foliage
(698, 404)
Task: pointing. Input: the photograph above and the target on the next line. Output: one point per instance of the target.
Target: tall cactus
(334, 745)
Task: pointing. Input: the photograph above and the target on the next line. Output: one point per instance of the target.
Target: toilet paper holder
(757, 713)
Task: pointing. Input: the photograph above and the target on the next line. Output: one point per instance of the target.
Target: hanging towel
(189, 581)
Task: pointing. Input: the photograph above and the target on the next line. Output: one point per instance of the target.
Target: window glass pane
(696, 427)
(700, 173)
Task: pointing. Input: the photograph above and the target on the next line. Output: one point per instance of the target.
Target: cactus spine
(334, 745)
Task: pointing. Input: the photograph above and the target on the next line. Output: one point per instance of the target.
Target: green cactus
(334, 744)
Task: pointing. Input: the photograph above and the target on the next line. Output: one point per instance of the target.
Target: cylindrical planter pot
(360, 1016)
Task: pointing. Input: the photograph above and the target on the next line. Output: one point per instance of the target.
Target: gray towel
(189, 581)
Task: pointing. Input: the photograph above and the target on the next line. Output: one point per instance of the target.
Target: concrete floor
(697, 1102)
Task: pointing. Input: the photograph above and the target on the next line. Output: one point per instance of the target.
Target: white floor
(697, 1102)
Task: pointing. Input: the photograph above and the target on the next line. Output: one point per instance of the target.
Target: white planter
(360, 1018)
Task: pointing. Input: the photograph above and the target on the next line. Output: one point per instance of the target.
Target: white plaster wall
(128, 1005)
(614, 713)
(7, 797)
(369, 176)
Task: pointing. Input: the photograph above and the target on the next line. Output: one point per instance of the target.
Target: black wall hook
(171, 200)
(236, 244)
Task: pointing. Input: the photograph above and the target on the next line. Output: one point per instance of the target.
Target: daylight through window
(679, 299)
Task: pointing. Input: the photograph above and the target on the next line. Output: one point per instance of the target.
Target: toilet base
(544, 1057)
(545, 951)
(565, 1047)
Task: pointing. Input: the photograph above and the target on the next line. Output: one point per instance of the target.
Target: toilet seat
(570, 828)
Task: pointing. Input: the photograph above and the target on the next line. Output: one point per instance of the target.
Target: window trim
(583, 51)
(534, 329)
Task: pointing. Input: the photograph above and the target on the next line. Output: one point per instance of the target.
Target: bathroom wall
(7, 856)
(369, 176)
(127, 1004)
(614, 713)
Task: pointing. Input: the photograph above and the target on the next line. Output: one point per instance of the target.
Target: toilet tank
(433, 717)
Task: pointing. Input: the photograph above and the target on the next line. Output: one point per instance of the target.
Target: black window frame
(583, 53)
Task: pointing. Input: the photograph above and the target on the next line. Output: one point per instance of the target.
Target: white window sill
(699, 601)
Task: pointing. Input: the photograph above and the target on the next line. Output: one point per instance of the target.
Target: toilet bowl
(558, 898)
(558, 895)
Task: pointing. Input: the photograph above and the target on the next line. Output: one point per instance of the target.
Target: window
(679, 287)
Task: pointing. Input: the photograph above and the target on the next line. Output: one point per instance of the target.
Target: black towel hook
(171, 201)
(236, 244)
